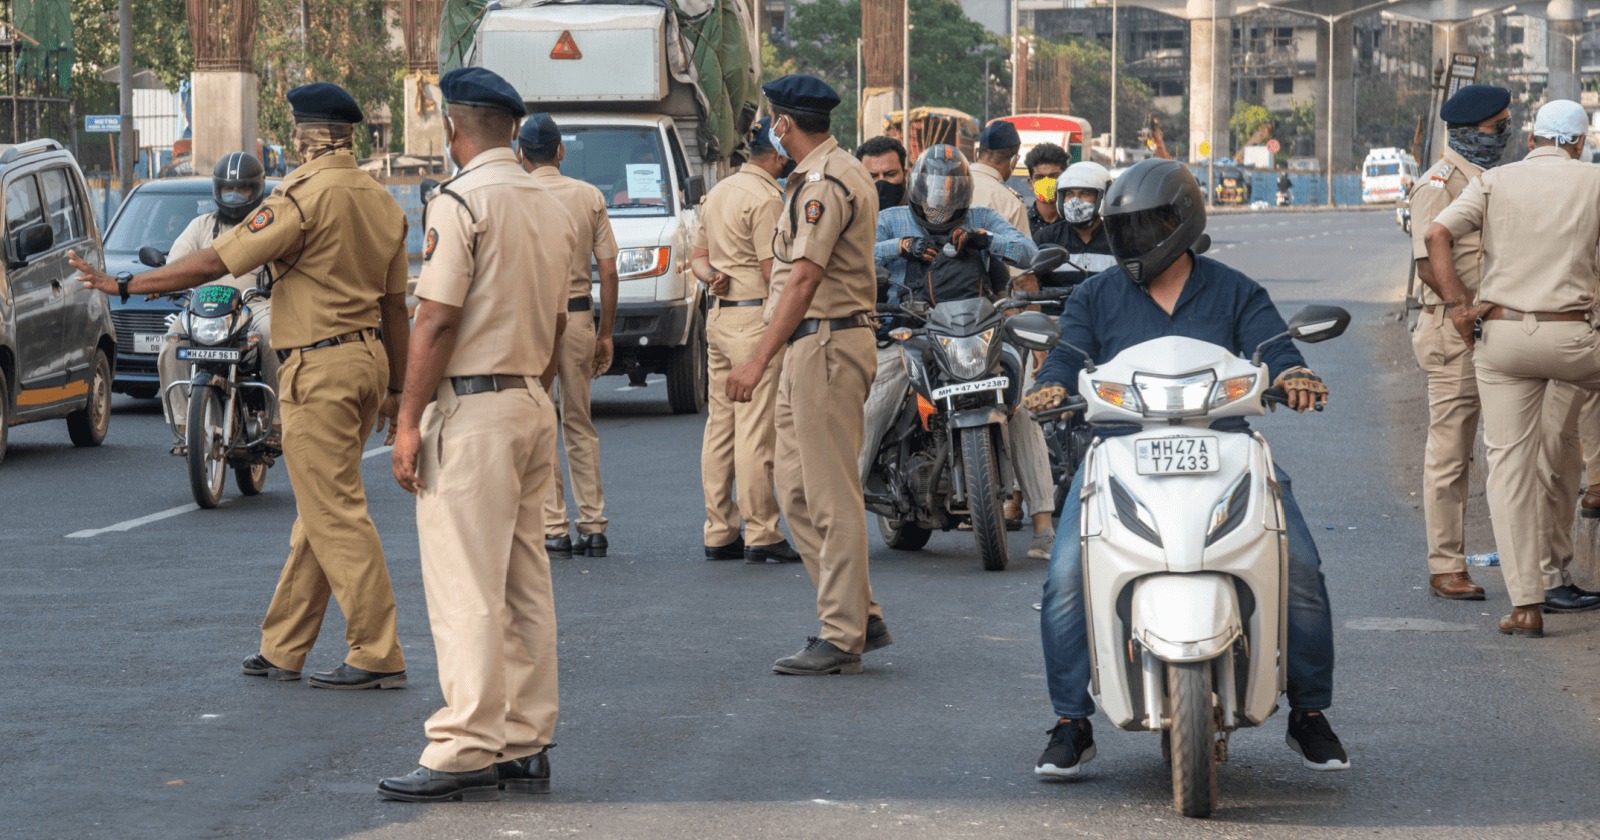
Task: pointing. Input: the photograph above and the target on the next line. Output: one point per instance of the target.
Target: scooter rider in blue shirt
(1155, 218)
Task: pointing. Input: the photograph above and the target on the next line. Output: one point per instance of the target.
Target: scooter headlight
(1175, 396)
(967, 357)
(209, 331)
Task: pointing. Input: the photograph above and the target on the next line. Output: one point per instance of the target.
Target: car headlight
(967, 357)
(1175, 396)
(633, 263)
(210, 330)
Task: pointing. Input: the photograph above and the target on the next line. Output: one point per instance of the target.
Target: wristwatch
(123, 278)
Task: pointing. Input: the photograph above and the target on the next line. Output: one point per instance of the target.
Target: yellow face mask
(1045, 190)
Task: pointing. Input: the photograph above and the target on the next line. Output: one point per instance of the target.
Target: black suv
(57, 345)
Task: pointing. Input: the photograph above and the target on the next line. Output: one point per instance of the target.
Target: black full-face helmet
(1153, 214)
(238, 183)
(940, 189)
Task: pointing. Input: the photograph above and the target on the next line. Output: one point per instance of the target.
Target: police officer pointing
(477, 445)
(825, 282)
(334, 241)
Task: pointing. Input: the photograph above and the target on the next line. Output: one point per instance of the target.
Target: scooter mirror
(1032, 331)
(152, 256)
(1318, 323)
(426, 188)
(1049, 258)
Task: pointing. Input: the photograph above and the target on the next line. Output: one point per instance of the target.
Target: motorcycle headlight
(967, 357)
(210, 330)
(1175, 396)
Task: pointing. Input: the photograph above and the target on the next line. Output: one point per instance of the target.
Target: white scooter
(1185, 553)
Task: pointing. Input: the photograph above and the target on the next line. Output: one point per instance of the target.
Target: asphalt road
(123, 713)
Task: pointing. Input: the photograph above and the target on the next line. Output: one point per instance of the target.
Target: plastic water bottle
(1490, 559)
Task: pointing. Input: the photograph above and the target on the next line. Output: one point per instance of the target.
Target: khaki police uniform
(575, 359)
(500, 249)
(335, 241)
(1571, 450)
(1540, 219)
(829, 217)
(736, 227)
(198, 237)
(989, 190)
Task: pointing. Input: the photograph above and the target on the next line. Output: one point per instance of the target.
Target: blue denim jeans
(1066, 637)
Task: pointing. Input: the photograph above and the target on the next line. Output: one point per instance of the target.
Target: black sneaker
(1071, 746)
(878, 636)
(1312, 737)
(819, 657)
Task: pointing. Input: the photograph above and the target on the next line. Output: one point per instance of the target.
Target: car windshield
(627, 165)
(155, 219)
(1376, 169)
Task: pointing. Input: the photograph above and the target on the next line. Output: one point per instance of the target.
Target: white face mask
(1077, 211)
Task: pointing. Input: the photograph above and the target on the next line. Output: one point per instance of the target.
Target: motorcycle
(1185, 553)
(946, 459)
(231, 411)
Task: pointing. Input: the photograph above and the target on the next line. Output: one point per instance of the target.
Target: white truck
(652, 104)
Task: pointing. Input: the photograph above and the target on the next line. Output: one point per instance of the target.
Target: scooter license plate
(206, 354)
(999, 383)
(1178, 455)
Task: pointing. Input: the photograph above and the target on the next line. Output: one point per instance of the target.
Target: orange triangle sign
(566, 49)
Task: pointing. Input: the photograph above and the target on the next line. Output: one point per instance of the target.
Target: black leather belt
(811, 326)
(367, 333)
(488, 383)
(757, 302)
(580, 304)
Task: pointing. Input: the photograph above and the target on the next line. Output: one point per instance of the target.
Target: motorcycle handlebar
(1071, 405)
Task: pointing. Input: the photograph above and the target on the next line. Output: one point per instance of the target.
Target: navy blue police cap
(1000, 135)
(1474, 103)
(798, 92)
(539, 137)
(481, 88)
(323, 102)
(760, 143)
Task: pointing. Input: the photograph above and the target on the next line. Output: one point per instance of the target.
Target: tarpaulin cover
(44, 41)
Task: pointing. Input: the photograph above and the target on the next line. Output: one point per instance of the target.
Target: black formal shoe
(529, 774)
(424, 785)
(258, 666)
(1569, 599)
(778, 552)
(592, 545)
(559, 548)
(350, 678)
(877, 635)
(819, 657)
(731, 551)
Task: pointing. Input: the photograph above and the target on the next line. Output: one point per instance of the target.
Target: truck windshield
(627, 165)
(1375, 170)
(156, 219)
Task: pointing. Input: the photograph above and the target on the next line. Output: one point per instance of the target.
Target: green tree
(1246, 122)
(160, 44)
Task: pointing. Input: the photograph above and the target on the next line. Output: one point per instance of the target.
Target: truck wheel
(88, 425)
(982, 470)
(908, 537)
(1193, 738)
(686, 372)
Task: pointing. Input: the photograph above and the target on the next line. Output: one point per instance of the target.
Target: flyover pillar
(1210, 76)
(1566, 30)
(1336, 86)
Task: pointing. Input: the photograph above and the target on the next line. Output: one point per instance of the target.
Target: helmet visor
(941, 197)
(236, 196)
(1136, 235)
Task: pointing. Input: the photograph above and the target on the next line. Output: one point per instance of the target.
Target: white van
(1387, 176)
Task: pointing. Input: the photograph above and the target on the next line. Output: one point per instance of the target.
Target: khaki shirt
(587, 207)
(1540, 219)
(736, 227)
(508, 272)
(989, 190)
(334, 255)
(198, 237)
(1435, 190)
(832, 226)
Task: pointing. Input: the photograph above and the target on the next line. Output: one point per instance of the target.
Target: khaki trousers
(1516, 362)
(737, 449)
(1453, 414)
(574, 379)
(488, 460)
(1572, 454)
(329, 400)
(176, 402)
(822, 387)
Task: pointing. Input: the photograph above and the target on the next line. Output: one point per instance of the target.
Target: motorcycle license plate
(1178, 455)
(147, 343)
(999, 383)
(206, 354)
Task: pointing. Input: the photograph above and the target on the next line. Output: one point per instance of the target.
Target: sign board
(103, 123)
(1273, 146)
(1463, 72)
(1205, 149)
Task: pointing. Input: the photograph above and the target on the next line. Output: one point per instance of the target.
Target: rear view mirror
(1318, 323)
(426, 188)
(33, 240)
(152, 256)
(1049, 258)
(1032, 331)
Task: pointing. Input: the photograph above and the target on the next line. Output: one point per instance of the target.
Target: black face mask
(788, 169)
(890, 194)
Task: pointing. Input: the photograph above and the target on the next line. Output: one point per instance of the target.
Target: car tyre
(88, 426)
(5, 414)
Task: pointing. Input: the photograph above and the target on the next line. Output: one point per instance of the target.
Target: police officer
(585, 351)
(732, 255)
(824, 279)
(998, 146)
(238, 184)
(1540, 219)
(335, 242)
(477, 445)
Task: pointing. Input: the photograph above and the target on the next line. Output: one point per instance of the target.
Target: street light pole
(1113, 82)
(905, 80)
(126, 140)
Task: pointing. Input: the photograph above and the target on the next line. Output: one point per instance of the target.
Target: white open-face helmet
(1081, 176)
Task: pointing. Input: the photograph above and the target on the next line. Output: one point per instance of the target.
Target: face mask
(772, 137)
(1480, 148)
(890, 193)
(788, 168)
(1077, 211)
(1044, 189)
